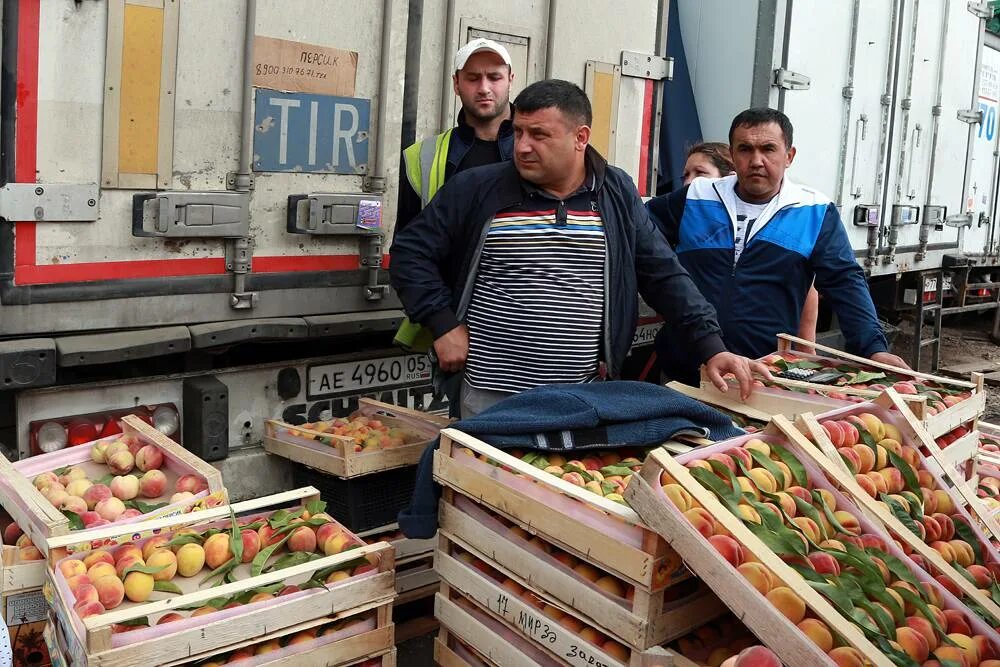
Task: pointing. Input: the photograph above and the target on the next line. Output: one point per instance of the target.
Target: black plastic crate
(365, 502)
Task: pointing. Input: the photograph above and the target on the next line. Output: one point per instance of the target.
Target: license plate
(355, 376)
(646, 333)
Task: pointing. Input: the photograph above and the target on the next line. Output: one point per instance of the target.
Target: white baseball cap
(477, 45)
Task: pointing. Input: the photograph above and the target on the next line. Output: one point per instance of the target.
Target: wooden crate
(589, 526)
(41, 521)
(336, 455)
(17, 575)
(416, 575)
(744, 415)
(787, 398)
(526, 636)
(648, 619)
(349, 647)
(92, 640)
(942, 465)
(765, 621)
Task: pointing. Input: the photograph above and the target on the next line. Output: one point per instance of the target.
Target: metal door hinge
(646, 66)
(980, 9)
(373, 184)
(239, 182)
(191, 214)
(790, 80)
(970, 115)
(50, 202)
(371, 259)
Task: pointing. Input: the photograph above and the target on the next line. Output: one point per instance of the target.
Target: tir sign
(301, 132)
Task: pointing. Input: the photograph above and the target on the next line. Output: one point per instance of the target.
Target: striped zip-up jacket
(797, 239)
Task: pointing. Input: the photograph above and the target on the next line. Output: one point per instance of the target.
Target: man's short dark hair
(568, 97)
(762, 116)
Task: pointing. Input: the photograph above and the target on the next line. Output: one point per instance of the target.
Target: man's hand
(741, 367)
(890, 359)
(452, 349)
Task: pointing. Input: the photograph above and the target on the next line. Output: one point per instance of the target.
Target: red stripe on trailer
(644, 138)
(26, 269)
(26, 127)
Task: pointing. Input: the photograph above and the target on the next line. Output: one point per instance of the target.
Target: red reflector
(111, 427)
(81, 433)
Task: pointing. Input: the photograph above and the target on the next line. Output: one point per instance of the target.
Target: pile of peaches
(894, 474)
(299, 638)
(103, 579)
(367, 433)
(724, 642)
(134, 476)
(871, 379)
(605, 473)
(989, 478)
(769, 489)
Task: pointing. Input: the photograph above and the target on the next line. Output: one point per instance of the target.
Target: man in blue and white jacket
(755, 242)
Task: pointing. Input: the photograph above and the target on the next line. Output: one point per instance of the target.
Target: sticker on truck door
(301, 132)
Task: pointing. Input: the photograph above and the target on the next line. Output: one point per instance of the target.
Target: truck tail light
(81, 432)
(111, 427)
(51, 437)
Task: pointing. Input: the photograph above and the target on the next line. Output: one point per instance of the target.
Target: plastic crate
(366, 502)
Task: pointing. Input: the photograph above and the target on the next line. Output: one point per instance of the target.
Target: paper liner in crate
(712, 536)
(328, 445)
(27, 490)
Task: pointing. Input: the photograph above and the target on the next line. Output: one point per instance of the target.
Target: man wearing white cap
(484, 135)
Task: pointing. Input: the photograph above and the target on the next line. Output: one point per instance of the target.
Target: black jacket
(408, 203)
(434, 259)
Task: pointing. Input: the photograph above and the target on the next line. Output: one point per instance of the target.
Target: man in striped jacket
(528, 273)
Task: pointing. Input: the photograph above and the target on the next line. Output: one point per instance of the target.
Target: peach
(98, 556)
(259, 597)
(92, 608)
(787, 503)
(764, 480)
(78, 487)
(808, 528)
(758, 576)
(729, 548)
(127, 562)
(76, 581)
(926, 630)
(786, 601)
(110, 590)
(818, 633)
(72, 567)
(681, 499)
(121, 463)
(166, 559)
(152, 484)
(190, 559)
(757, 656)
(880, 482)
(149, 458)
(86, 593)
(913, 643)
(302, 539)
(967, 645)
(288, 590)
(180, 497)
(866, 458)
(588, 571)
(338, 575)
(125, 487)
(724, 459)
(824, 563)
(786, 474)
(30, 552)
(848, 521)
(945, 505)
(758, 446)
(871, 423)
(964, 555)
(611, 585)
(851, 435)
(747, 486)
(336, 543)
(801, 493)
(981, 574)
(119, 445)
(44, 479)
(251, 544)
(95, 494)
(201, 611)
(893, 479)
(110, 509)
(953, 653)
(98, 453)
(947, 525)
(866, 484)
(945, 549)
(748, 514)
(152, 544)
(170, 618)
(847, 656)
(956, 623)
(191, 484)
(851, 458)
(125, 550)
(267, 647)
(217, 549)
(55, 494)
(73, 473)
(138, 586)
(834, 432)
(268, 536)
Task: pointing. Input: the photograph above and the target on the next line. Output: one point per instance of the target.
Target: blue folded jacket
(570, 417)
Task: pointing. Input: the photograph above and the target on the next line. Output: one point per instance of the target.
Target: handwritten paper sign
(280, 64)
